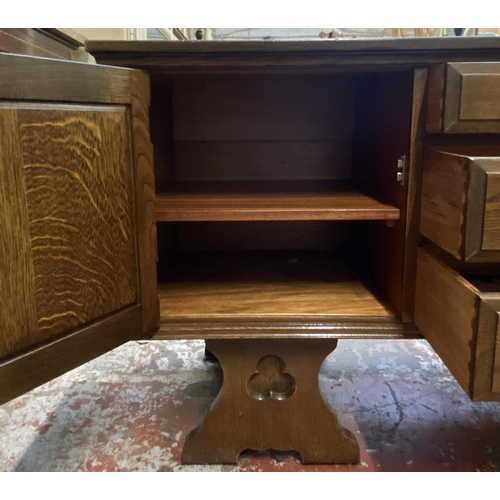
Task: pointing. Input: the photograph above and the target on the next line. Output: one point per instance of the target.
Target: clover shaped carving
(271, 380)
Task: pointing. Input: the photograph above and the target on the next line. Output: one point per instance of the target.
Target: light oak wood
(300, 205)
(18, 315)
(79, 216)
(460, 209)
(472, 102)
(270, 399)
(458, 321)
(265, 286)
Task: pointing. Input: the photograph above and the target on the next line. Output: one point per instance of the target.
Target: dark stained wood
(27, 78)
(259, 235)
(460, 208)
(383, 135)
(293, 56)
(435, 99)
(143, 162)
(414, 193)
(42, 42)
(263, 128)
(27, 371)
(458, 321)
(310, 108)
(472, 102)
(293, 416)
(18, 316)
(162, 133)
(301, 205)
(246, 287)
(262, 160)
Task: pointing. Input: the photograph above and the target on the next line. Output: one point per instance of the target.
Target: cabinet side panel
(78, 179)
(18, 321)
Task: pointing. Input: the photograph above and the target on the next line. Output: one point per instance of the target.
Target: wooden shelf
(285, 204)
(265, 286)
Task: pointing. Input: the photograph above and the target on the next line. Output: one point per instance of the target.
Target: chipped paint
(131, 410)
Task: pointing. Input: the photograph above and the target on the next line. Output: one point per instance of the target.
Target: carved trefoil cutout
(271, 380)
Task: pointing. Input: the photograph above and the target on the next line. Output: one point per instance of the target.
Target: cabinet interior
(277, 196)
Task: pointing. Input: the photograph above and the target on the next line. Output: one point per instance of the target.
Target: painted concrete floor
(131, 409)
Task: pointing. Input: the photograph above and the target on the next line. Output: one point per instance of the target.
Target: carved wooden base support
(270, 399)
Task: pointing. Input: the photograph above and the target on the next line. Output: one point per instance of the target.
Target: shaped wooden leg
(270, 399)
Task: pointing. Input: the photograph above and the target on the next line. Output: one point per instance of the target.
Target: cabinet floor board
(259, 286)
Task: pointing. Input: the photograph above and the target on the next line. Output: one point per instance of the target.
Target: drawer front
(461, 324)
(464, 98)
(460, 208)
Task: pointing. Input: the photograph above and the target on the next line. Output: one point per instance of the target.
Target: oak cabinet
(282, 199)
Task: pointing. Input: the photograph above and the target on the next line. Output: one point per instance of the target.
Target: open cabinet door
(77, 216)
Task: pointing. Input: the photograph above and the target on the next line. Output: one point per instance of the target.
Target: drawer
(459, 317)
(464, 98)
(460, 208)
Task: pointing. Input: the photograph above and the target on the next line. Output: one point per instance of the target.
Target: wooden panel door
(77, 216)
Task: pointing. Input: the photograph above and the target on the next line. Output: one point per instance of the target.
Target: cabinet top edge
(343, 45)
(310, 55)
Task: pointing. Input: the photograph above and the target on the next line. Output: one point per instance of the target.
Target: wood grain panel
(78, 178)
(265, 109)
(259, 286)
(480, 99)
(472, 98)
(446, 308)
(491, 221)
(143, 161)
(262, 160)
(25, 372)
(18, 318)
(336, 205)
